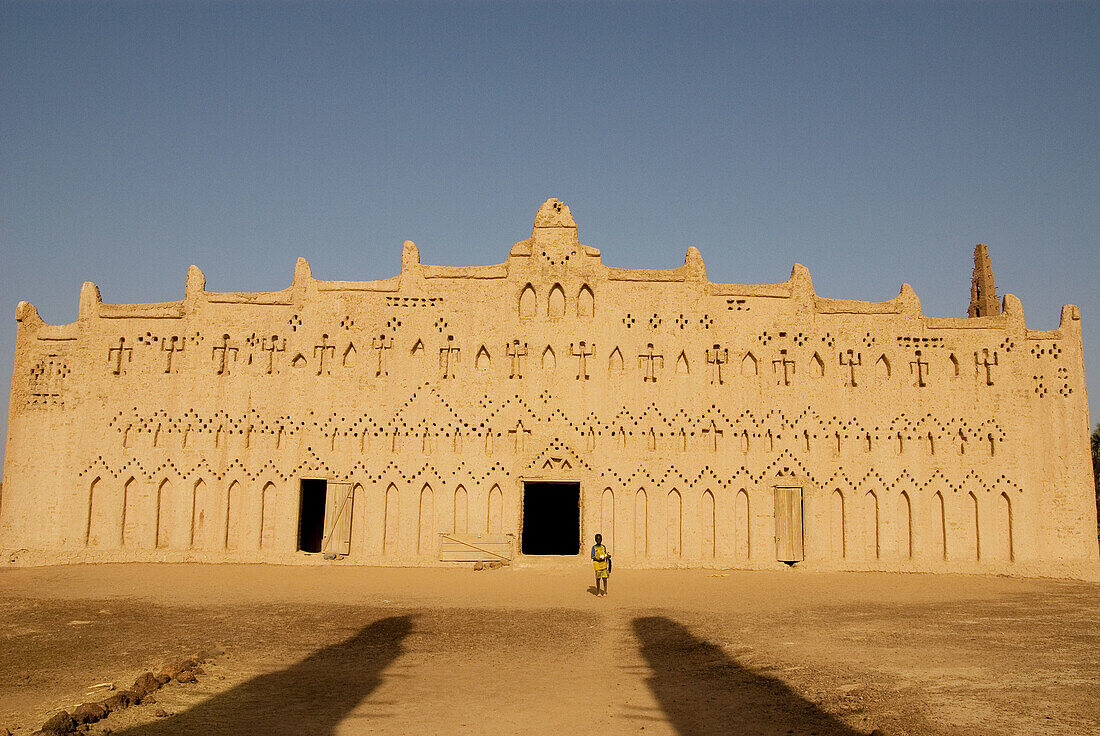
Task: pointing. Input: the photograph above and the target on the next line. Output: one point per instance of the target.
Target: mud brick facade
(692, 423)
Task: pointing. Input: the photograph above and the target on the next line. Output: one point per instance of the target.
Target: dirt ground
(339, 650)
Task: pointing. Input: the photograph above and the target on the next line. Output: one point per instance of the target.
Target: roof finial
(983, 292)
(554, 213)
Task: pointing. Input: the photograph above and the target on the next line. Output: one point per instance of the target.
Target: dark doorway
(551, 519)
(311, 515)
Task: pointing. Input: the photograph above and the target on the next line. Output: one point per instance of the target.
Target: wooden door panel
(338, 508)
(788, 524)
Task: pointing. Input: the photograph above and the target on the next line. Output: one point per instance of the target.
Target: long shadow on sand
(308, 698)
(705, 692)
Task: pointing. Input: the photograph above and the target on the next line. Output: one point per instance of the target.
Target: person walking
(601, 562)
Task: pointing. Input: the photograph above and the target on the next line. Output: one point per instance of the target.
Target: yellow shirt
(599, 557)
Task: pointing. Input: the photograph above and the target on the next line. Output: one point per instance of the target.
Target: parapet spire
(983, 292)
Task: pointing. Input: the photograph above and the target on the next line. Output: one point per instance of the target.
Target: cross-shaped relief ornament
(982, 361)
(228, 353)
(853, 361)
(520, 436)
(920, 367)
(517, 352)
(716, 358)
(271, 347)
(445, 357)
(381, 344)
(170, 346)
(714, 433)
(118, 353)
(653, 363)
(786, 365)
(581, 353)
(321, 351)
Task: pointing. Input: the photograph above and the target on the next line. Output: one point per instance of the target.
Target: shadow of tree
(310, 697)
(705, 692)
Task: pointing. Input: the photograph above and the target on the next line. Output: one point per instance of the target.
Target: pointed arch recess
(817, 366)
(267, 516)
(92, 529)
(707, 525)
(683, 368)
(641, 523)
(527, 301)
(586, 303)
(234, 516)
(391, 521)
(905, 526)
(166, 521)
(461, 511)
(425, 542)
(939, 527)
(615, 361)
(836, 525)
(871, 526)
(1004, 543)
(483, 361)
(199, 513)
(749, 366)
(495, 511)
(741, 529)
(674, 509)
(882, 367)
(555, 305)
(973, 531)
(134, 512)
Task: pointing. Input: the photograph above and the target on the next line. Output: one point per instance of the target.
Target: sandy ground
(325, 650)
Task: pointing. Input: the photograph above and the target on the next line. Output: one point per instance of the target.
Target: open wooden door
(338, 503)
(788, 524)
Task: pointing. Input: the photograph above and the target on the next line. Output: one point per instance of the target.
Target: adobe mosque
(512, 411)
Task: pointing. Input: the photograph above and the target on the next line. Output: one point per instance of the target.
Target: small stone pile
(493, 565)
(183, 670)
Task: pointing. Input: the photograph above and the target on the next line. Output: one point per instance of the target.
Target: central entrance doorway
(551, 519)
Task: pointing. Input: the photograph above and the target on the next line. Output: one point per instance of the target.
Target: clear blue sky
(874, 143)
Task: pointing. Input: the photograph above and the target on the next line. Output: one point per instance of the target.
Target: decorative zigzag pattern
(366, 448)
(666, 476)
(439, 419)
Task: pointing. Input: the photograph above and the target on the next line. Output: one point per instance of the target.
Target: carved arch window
(527, 302)
(555, 305)
(586, 302)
